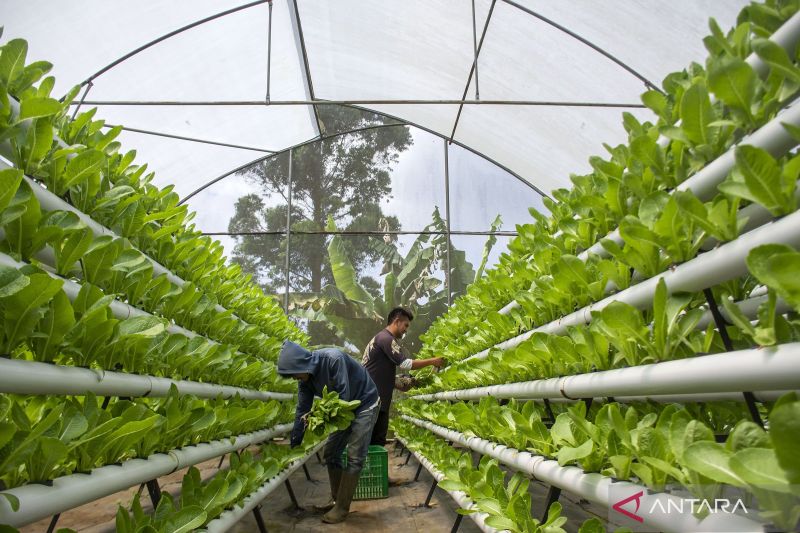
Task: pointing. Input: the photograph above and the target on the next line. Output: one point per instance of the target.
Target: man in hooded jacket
(339, 372)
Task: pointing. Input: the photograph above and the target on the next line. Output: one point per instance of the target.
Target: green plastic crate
(373, 483)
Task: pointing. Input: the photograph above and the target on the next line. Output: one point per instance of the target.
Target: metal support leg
(106, 400)
(291, 495)
(552, 497)
(259, 520)
(408, 458)
(419, 470)
(155, 492)
(221, 459)
(319, 459)
(459, 518)
(549, 409)
(721, 324)
(53, 522)
(430, 493)
(307, 473)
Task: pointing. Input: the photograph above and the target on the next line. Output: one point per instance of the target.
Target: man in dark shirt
(341, 373)
(381, 357)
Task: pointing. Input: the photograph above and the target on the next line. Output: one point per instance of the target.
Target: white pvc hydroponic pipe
(32, 377)
(120, 310)
(228, 519)
(596, 487)
(158, 386)
(761, 369)
(50, 202)
(67, 492)
(787, 37)
(772, 137)
(759, 396)
(706, 270)
(460, 497)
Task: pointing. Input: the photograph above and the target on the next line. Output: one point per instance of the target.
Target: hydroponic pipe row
(32, 377)
(761, 369)
(50, 202)
(787, 37)
(772, 137)
(595, 487)
(67, 492)
(50, 379)
(229, 518)
(460, 497)
(704, 271)
(120, 309)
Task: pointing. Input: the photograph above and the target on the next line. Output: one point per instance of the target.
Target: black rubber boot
(334, 477)
(347, 488)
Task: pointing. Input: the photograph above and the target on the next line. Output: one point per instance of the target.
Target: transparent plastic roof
(296, 127)
(411, 60)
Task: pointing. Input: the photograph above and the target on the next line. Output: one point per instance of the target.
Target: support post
(221, 460)
(291, 494)
(154, 491)
(419, 470)
(549, 409)
(53, 521)
(269, 48)
(430, 493)
(552, 497)
(257, 511)
(307, 473)
(447, 218)
(408, 458)
(722, 324)
(288, 231)
(459, 518)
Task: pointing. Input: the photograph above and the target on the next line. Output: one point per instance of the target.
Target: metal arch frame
(319, 102)
(297, 29)
(190, 139)
(474, 68)
(292, 4)
(587, 42)
(296, 19)
(457, 143)
(166, 36)
(360, 233)
(280, 152)
(400, 122)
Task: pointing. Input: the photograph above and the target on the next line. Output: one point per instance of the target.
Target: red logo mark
(618, 506)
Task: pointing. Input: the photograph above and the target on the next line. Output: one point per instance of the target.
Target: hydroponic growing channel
(633, 348)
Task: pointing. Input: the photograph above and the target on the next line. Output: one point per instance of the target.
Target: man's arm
(395, 354)
(422, 363)
(305, 398)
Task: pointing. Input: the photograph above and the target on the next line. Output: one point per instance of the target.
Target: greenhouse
(451, 265)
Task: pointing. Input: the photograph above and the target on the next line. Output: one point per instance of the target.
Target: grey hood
(294, 359)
